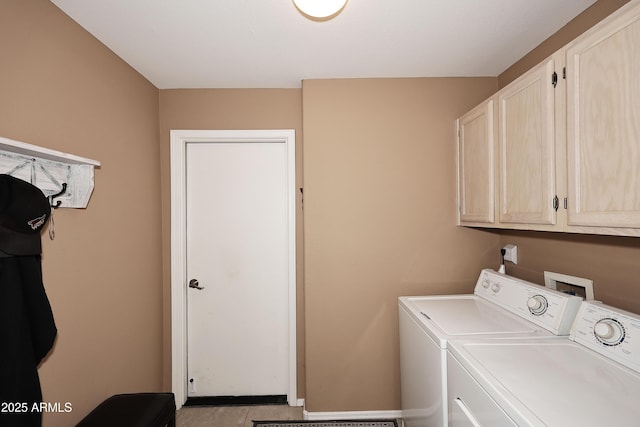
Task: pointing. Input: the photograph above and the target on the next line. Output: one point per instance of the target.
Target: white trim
(352, 415)
(179, 139)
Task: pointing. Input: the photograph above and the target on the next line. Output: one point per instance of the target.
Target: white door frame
(179, 140)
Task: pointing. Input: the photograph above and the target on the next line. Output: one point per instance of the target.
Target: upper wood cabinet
(476, 166)
(527, 148)
(568, 138)
(603, 124)
(513, 171)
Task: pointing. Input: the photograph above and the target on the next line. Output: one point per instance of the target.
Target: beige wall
(379, 172)
(61, 89)
(229, 109)
(612, 262)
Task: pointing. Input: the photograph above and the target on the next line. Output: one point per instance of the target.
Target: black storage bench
(133, 410)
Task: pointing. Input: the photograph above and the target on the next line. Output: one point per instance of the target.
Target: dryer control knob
(609, 331)
(486, 283)
(537, 305)
(495, 287)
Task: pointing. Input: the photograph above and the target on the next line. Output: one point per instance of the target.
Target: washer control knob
(609, 331)
(537, 305)
(486, 283)
(495, 287)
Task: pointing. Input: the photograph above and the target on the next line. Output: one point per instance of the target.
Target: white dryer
(501, 307)
(591, 378)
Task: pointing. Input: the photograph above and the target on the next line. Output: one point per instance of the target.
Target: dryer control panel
(610, 331)
(547, 308)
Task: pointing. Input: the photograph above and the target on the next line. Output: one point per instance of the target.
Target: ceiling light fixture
(320, 9)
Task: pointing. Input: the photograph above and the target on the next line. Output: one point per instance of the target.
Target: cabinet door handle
(556, 203)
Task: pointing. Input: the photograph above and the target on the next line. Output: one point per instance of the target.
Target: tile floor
(234, 416)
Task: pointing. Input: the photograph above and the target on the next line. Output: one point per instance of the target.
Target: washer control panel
(550, 309)
(610, 331)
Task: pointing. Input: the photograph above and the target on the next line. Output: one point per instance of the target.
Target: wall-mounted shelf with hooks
(64, 176)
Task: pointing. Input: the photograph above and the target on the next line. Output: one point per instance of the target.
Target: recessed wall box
(569, 284)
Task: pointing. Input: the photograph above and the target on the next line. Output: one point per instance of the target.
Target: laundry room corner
(380, 212)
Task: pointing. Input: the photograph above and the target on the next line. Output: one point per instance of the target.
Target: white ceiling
(269, 44)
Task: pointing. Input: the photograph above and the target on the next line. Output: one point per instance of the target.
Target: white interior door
(237, 215)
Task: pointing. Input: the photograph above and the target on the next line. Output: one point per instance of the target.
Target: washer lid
(556, 382)
(470, 315)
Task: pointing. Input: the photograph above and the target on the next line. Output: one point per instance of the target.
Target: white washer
(501, 307)
(591, 378)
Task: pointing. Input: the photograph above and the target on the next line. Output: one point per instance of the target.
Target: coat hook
(60, 193)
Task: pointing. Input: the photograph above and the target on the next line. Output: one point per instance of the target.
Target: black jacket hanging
(27, 328)
(27, 333)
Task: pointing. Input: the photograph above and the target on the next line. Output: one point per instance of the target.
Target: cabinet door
(527, 148)
(476, 166)
(603, 124)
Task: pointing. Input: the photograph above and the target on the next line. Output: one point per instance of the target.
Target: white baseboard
(352, 415)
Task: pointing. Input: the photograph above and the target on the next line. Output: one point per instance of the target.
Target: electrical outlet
(511, 253)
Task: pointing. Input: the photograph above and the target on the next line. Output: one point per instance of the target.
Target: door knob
(193, 283)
